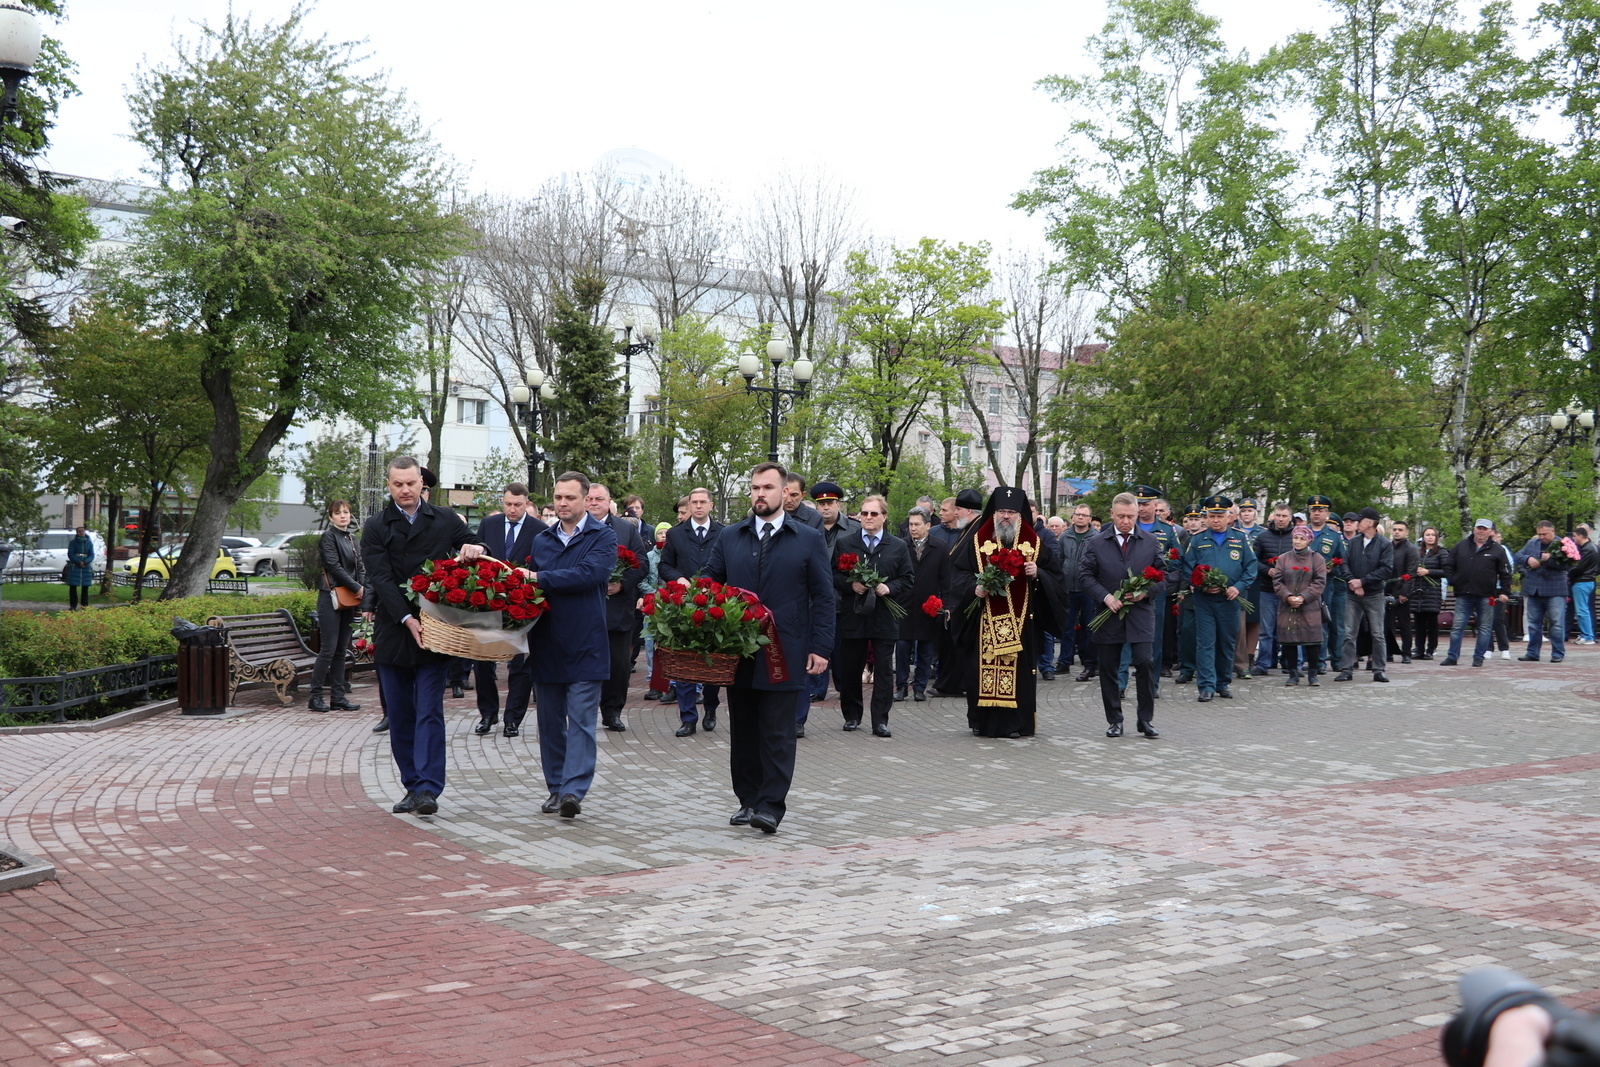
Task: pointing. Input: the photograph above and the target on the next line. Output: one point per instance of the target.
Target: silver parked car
(270, 557)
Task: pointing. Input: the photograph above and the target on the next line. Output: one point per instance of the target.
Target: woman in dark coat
(1427, 593)
(1298, 578)
(80, 568)
(341, 567)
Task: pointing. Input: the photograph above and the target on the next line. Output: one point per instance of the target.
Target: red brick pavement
(279, 918)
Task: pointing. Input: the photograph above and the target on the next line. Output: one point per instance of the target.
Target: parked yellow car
(158, 567)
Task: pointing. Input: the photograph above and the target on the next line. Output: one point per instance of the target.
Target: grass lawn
(56, 593)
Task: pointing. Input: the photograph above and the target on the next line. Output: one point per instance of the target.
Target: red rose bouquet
(1212, 580)
(705, 618)
(627, 560)
(1133, 588)
(855, 570)
(491, 599)
(932, 606)
(1005, 566)
(362, 641)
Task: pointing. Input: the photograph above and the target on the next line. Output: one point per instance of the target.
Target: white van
(43, 556)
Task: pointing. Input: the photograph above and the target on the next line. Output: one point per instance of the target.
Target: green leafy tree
(1253, 396)
(590, 407)
(490, 476)
(331, 466)
(299, 208)
(717, 430)
(917, 319)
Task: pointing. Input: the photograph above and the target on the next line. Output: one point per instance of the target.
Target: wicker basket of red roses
(480, 610)
(702, 631)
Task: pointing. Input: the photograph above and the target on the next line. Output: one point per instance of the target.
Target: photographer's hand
(1518, 1037)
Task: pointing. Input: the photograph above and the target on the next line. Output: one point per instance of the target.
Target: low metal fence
(57, 694)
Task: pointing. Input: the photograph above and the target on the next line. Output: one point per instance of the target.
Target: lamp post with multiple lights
(1573, 425)
(526, 403)
(781, 396)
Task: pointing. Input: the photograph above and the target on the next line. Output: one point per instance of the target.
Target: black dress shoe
(1448, 661)
(551, 805)
(1405, 659)
(1311, 679)
(1088, 676)
(880, 730)
(511, 731)
(670, 696)
(382, 727)
(485, 725)
(316, 703)
(427, 803)
(343, 705)
(1205, 695)
(1184, 678)
(406, 804)
(1114, 730)
(1048, 676)
(1148, 730)
(686, 730)
(763, 822)
(1224, 693)
(901, 693)
(740, 818)
(457, 692)
(918, 695)
(1344, 676)
(615, 724)
(708, 721)
(799, 731)
(652, 694)
(570, 806)
(1379, 676)
(852, 724)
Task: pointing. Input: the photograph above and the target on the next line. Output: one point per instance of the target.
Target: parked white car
(44, 555)
(271, 557)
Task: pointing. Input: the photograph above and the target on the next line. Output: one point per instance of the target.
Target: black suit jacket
(392, 550)
(492, 532)
(893, 561)
(794, 585)
(684, 556)
(1103, 570)
(622, 608)
(928, 578)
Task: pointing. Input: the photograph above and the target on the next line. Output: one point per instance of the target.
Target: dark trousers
(761, 747)
(414, 700)
(77, 595)
(1427, 635)
(1502, 632)
(333, 624)
(1080, 609)
(852, 660)
(948, 679)
(907, 652)
(614, 693)
(1144, 682)
(519, 686)
(1398, 623)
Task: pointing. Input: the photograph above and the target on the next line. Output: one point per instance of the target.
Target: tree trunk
(114, 510)
(1458, 431)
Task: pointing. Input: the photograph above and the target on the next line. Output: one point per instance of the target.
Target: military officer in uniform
(1193, 522)
(1327, 540)
(1216, 612)
(1249, 621)
(1166, 536)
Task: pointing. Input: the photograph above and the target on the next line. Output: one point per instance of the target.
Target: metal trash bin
(202, 668)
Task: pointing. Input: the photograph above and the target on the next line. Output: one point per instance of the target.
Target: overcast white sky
(926, 107)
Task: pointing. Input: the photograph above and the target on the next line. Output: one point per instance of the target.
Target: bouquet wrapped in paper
(479, 610)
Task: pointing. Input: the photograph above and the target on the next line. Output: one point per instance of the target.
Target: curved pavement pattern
(1293, 876)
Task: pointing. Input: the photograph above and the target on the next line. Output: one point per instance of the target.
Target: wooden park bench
(264, 648)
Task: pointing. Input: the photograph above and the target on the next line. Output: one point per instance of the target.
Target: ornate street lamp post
(20, 40)
(750, 366)
(525, 402)
(1572, 425)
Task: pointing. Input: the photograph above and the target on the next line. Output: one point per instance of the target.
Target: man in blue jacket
(784, 563)
(1544, 569)
(569, 653)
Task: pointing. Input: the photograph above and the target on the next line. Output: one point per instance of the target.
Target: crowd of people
(970, 597)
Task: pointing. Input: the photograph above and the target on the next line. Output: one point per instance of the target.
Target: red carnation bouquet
(487, 597)
(1005, 566)
(932, 606)
(1134, 587)
(1208, 579)
(627, 560)
(854, 569)
(705, 618)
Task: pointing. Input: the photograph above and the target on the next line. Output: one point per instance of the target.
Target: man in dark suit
(794, 506)
(1369, 561)
(622, 606)
(832, 524)
(784, 563)
(569, 651)
(919, 631)
(865, 620)
(683, 558)
(966, 506)
(508, 536)
(1109, 556)
(395, 543)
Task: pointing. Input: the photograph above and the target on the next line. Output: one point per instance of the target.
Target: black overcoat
(393, 550)
(1103, 569)
(892, 560)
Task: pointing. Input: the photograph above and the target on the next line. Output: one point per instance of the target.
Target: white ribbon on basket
(486, 626)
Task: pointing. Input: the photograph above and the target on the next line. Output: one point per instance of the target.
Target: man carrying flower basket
(395, 543)
(1122, 567)
(785, 564)
(569, 654)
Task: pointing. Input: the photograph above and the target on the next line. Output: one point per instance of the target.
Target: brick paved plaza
(1294, 876)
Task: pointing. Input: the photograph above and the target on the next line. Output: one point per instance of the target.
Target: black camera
(1486, 992)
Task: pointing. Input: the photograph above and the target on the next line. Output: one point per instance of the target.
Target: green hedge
(36, 643)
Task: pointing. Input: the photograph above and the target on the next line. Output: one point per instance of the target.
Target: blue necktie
(511, 539)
